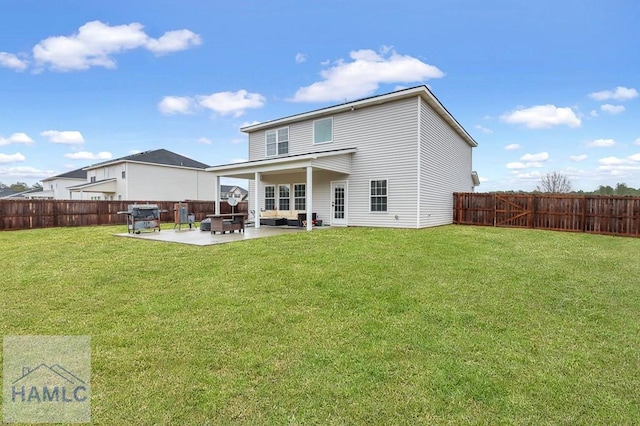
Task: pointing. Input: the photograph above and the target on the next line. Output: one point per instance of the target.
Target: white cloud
(85, 155)
(512, 146)
(594, 113)
(578, 158)
(68, 137)
(24, 173)
(173, 41)
(12, 158)
(363, 75)
(483, 129)
(95, 43)
(483, 179)
(637, 142)
(619, 94)
(529, 175)
(619, 166)
(300, 58)
(205, 141)
(170, 105)
(601, 143)
(516, 165)
(239, 160)
(542, 116)
(542, 156)
(612, 109)
(609, 161)
(9, 60)
(19, 137)
(235, 103)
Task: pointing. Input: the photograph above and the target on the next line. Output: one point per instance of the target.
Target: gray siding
(445, 163)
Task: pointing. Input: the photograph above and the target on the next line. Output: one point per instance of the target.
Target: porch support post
(256, 197)
(216, 194)
(309, 200)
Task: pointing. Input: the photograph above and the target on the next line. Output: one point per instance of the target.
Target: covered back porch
(283, 187)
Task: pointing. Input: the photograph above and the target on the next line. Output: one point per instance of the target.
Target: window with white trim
(284, 197)
(277, 141)
(323, 130)
(269, 197)
(300, 196)
(378, 195)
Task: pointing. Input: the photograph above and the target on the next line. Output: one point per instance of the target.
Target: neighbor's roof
(422, 91)
(73, 174)
(227, 188)
(158, 156)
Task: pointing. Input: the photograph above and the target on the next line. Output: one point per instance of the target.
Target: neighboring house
(392, 160)
(230, 191)
(33, 193)
(57, 187)
(158, 175)
(6, 193)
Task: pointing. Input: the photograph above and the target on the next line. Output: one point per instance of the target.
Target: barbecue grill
(142, 217)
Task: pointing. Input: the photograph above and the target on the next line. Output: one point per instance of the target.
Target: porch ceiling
(289, 164)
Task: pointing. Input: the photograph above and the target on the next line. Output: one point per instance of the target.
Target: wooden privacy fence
(29, 214)
(610, 215)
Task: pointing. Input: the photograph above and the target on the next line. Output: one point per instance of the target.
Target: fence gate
(514, 211)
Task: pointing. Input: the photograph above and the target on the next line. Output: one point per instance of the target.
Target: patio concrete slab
(205, 238)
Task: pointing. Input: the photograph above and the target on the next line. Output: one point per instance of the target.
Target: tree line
(20, 186)
(557, 183)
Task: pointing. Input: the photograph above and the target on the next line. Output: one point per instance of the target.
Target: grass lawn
(450, 325)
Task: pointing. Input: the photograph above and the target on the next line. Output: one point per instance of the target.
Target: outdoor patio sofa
(284, 217)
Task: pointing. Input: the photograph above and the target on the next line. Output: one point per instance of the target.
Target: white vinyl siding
(165, 183)
(323, 130)
(445, 162)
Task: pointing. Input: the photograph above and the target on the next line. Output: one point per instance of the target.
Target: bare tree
(555, 182)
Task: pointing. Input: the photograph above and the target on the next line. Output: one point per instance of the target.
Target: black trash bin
(205, 225)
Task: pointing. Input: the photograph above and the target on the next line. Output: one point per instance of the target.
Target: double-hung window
(323, 130)
(378, 195)
(284, 197)
(277, 141)
(269, 197)
(299, 196)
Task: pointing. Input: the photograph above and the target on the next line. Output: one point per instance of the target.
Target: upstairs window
(277, 141)
(379, 195)
(323, 130)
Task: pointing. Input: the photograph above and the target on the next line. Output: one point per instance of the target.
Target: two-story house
(233, 191)
(392, 160)
(158, 175)
(57, 187)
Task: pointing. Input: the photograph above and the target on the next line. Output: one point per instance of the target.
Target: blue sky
(542, 86)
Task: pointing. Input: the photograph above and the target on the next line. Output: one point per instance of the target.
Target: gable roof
(422, 91)
(73, 174)
(229, 188)
(157, 156)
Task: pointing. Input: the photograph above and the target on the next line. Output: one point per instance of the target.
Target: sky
(544, 86)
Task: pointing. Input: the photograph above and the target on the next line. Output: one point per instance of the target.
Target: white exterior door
(339, 203)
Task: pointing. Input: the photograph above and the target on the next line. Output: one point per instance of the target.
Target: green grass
(450, 325)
